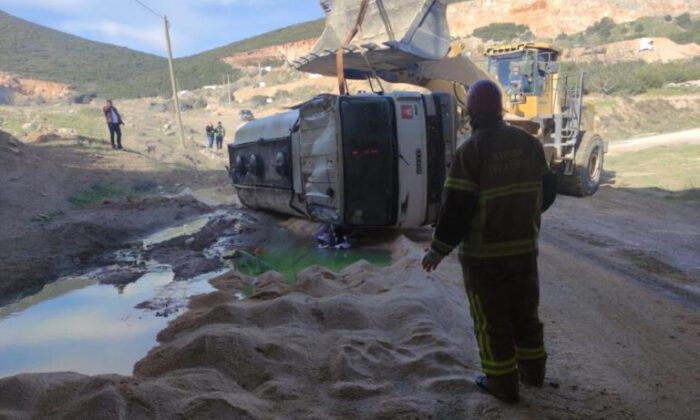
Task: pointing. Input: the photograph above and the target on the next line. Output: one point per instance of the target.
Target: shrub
(503, 32)
(282, 94)
(603, 28)
(259, 100)
(684, 20)
(192, 102)
(690, 34)
(634, 77)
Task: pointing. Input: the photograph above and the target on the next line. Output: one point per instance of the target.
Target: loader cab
(527, 73)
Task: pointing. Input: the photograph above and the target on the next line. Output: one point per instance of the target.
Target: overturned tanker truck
(361, 160)
(366, 160)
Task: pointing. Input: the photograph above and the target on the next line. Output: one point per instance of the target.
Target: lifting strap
(340, 59)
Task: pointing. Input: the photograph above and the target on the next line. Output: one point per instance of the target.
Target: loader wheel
(588, 168)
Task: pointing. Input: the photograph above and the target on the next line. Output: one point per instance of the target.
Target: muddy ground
(620, 280)
(397, 343)
(65, 203)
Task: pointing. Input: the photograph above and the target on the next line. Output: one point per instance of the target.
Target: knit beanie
(484, 97)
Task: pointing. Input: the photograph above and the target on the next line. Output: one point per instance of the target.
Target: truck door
(413, 159)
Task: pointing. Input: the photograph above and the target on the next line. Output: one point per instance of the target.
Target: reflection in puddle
(189, 228)
(86, 327)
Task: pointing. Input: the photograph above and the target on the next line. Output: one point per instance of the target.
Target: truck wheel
(588, 168)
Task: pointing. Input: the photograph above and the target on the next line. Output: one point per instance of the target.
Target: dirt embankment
(64, 205)
(76, 241)
(33, 88)
(286, 52)
(618, 118)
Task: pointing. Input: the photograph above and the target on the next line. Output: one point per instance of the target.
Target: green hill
(32, 50)
(298, 32)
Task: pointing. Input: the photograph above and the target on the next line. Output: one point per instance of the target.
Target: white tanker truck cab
(357, 161)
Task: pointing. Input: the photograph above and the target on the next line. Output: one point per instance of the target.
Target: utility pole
(176, 99)
(228, 81)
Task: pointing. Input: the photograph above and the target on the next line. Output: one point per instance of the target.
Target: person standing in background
(210, 135)
(114, 123)
(219, 133)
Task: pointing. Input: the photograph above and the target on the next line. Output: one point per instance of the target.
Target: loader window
(543, 60)
(369, 160)
(517, 72)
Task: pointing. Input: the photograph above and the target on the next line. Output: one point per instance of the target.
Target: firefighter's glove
(431, 260)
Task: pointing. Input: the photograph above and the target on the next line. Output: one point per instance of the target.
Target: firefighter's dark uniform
(493, 199)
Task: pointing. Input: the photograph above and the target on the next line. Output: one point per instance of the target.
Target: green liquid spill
(289, 254)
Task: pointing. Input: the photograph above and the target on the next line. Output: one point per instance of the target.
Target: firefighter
(497, 187)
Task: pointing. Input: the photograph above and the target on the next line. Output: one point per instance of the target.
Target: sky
(195, 25)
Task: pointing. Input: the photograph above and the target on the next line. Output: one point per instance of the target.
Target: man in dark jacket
(497, 188)
(210, 135)
(114, 121)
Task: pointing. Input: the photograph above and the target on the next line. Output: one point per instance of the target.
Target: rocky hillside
(544, 18)
(548, 18)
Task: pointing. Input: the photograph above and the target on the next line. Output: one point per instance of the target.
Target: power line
(149, 9)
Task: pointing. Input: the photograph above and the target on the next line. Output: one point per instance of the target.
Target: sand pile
(364, 343)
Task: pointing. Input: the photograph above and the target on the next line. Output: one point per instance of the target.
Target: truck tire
(585, 179)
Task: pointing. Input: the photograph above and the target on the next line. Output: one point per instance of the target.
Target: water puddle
(77, 325)
(190, 227)
(289, 254)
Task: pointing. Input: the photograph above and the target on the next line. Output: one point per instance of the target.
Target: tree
(503, 32)
(602, 28)
(639, 28)
(684, 20)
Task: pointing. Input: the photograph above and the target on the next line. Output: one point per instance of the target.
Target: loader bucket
(394, 35)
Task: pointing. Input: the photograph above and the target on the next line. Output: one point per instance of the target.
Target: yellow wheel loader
(550, 106)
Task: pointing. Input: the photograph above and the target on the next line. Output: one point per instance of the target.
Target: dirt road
(621, 298)
(641, 143)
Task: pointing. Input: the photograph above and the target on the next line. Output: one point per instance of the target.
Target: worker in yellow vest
(219, 134)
